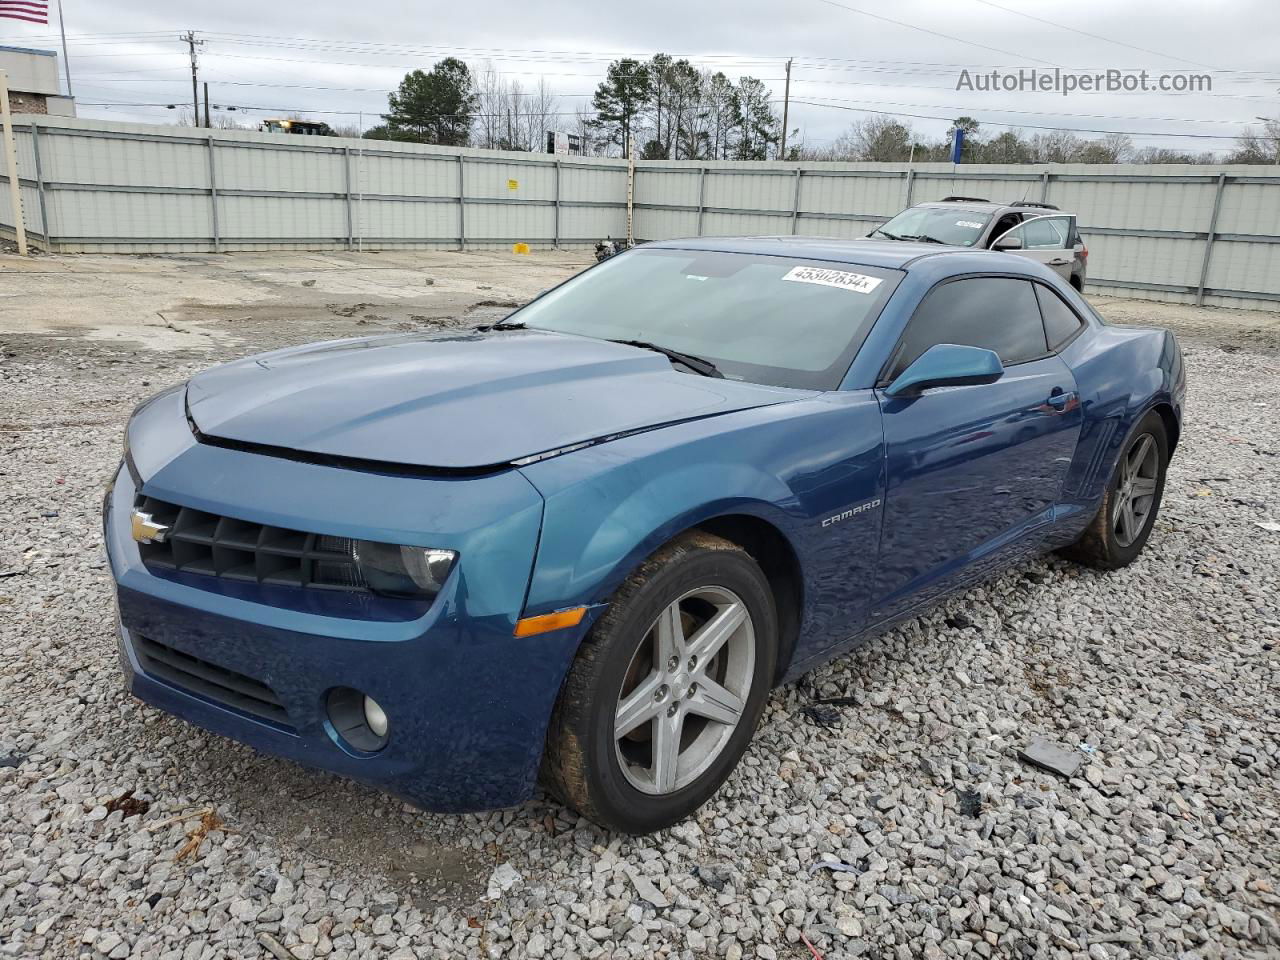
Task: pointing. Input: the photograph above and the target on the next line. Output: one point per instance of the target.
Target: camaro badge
(853, 512)
(146, 530)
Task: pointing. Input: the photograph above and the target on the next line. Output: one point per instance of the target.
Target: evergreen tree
(433, 107)
(755, 125)
(619, 100)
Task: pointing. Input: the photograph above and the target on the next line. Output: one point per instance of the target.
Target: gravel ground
(127, 833)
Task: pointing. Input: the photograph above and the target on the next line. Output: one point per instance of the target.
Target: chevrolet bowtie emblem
(146, 530)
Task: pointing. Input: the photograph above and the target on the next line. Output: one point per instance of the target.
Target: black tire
(582, 764)
(1102, 545)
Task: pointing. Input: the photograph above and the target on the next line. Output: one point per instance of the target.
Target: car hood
(455, 401)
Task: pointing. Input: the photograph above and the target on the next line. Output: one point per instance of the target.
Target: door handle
(1059, 400)
(1059, 262)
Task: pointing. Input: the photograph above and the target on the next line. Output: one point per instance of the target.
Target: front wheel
(1123, 523)
(667, 689)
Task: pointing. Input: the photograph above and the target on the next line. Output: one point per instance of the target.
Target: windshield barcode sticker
(858, 282)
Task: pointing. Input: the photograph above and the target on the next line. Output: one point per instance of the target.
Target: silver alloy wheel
(685, 690)
(1135, 489)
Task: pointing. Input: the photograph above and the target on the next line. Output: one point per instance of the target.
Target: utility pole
(207, 124)
(786, 103)
(191, 42)
(11, 168)
(66, 61)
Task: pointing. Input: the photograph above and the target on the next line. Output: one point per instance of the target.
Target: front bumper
(467, 702)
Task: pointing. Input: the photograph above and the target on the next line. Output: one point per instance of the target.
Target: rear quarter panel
(1121, 374)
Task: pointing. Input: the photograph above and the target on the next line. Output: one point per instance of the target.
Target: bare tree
(489, 95)
(1254, 146)
(876, 138)
(589, 139)
(1166, 155)
(508, 117)
(541, 115)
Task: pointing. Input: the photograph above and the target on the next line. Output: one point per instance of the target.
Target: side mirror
(1008, 243)
(947, 365)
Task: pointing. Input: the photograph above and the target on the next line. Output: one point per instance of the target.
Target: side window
(1043, 233)
(1006, 223)
(996, 313)
(1060, 321)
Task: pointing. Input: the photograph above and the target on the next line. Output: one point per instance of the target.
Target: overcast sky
(275, 55)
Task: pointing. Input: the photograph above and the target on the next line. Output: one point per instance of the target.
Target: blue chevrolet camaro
(582, 544)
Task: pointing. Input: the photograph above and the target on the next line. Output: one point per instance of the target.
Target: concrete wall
(30, 71)
(1161, 232)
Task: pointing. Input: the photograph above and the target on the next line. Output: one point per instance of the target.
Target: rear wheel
(667, 689)
(1123, 523)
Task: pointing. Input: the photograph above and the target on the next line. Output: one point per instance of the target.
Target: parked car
(1024, 227)
(586, 541)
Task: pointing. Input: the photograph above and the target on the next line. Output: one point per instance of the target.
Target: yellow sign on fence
(513, 184)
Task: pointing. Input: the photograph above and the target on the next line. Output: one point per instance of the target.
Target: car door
(1046, 239)
(972, 472)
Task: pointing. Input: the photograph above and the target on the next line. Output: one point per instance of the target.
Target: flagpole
(66, 61)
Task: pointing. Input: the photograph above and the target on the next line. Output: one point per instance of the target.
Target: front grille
(210, 681)
(217, 546)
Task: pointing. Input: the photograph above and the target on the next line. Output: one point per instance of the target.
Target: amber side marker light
(532, 626)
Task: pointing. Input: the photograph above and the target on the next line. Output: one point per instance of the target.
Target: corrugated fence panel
(301, 171)
(118, 161)
(851, 195)
(665, 224)
(750, 190)
(131, 187)
(393, 220)
(749, 224)
(592, 184)
(406, 176)
(1251, 267)
(509, 221)
(511, 181)
(1250, 208)
(678, 187)
(1147, 259)
(83, 215)
(1125, 203)
(309, 218)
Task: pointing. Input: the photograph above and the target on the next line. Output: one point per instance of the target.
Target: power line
(811, 98)
(1027, 126)
(1034, 113)
(932, 33)
(1095, 36)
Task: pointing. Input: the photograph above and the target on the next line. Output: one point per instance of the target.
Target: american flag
(33, 11)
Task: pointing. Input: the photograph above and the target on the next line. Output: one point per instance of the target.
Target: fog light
(357, 721)
(374, 717)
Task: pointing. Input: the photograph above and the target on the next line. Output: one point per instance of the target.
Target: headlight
(397, 571)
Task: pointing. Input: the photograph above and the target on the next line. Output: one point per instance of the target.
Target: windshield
(955, 225)
(775, 320)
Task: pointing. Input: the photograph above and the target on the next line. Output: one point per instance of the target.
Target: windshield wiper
(925, 238)
(886, 233)
(502, 325)
(696, 364)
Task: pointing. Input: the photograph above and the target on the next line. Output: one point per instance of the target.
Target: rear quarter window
(1060, 321)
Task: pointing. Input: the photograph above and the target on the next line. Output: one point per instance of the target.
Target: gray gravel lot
(127, 833)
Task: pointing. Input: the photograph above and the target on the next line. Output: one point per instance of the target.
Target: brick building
(33, 82)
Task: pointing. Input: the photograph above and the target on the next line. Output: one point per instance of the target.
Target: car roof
(988, 206)
(890, 254)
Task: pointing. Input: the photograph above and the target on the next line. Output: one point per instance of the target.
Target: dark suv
(1036, 230)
